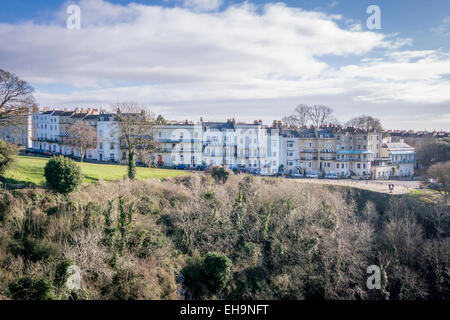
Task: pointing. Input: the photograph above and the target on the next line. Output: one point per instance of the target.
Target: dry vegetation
(146, 240)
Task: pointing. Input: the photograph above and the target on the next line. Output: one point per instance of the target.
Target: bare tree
(366, 123)
(320, 115)
(16, 99)
(441, 172)
(82, 137)
(137, 134)
(299, 118)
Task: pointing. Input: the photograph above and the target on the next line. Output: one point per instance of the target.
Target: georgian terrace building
(253, 146)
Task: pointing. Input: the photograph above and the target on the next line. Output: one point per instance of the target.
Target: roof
(92, 117)
(218, 125)
(402, 152)
(79, 115)
(397, 145)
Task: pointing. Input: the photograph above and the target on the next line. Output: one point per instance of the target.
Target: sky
(221, 59)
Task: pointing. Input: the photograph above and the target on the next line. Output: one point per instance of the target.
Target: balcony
(403, 161)
(48, 140)
(353, 159)
(328, 158)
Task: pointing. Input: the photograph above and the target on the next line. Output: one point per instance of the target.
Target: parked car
(296, 175)
(181, 167)
(331, 176)
(312, 175)
(200, 167)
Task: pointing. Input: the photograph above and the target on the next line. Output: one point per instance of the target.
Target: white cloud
(203, 5)
(443, 28)
(238, 57)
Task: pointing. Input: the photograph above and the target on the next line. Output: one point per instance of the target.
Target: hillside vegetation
(31, 170)
(247, 238)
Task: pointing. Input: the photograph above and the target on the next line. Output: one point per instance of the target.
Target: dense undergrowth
(248, 238)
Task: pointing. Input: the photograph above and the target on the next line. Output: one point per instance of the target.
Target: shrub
(61, 272)
(63, 174)
(7, 152)
(33, 249)
(217, 271)
(32, 289)
(219, 174)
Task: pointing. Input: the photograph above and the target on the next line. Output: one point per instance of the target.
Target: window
(111, 146)
(100, 146)
(358, 166)
(337, 165)
(274, 154)
(111, 156)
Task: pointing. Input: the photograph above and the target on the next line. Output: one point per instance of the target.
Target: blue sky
(400, 73)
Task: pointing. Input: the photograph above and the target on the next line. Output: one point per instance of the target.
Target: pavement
(400, 186)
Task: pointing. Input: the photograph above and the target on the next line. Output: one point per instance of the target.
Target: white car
(312, 175)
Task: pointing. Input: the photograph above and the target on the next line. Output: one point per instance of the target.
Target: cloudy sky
(248, 60)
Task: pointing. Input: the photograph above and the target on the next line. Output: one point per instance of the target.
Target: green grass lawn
(31, 170)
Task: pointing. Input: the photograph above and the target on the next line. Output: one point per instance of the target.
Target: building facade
(250, 147)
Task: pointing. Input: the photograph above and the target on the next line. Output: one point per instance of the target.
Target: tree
(82, 137)
(160, 120)
(431, 153)
(7, 153)
(137, 130)
(320, 115)
(219, 173)
(299, 118)
(217, 271)
(366, 123)
(16, 99)
(62, 174)
(441, 172)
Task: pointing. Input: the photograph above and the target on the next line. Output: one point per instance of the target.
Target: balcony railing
(46, 140)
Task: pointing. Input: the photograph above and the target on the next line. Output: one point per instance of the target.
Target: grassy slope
(31, 169)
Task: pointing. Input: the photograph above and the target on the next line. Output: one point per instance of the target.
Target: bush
(32, 289)
(219, 173)
(63, 174)
(217, 271)
(7, 152)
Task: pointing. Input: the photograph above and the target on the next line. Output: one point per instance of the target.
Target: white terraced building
(251, 147)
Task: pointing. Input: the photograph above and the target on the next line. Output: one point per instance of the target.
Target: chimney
(95, 111)
(77, 110)
(201, 119)
(46, 109)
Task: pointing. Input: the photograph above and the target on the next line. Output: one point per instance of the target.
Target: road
(400, 187)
